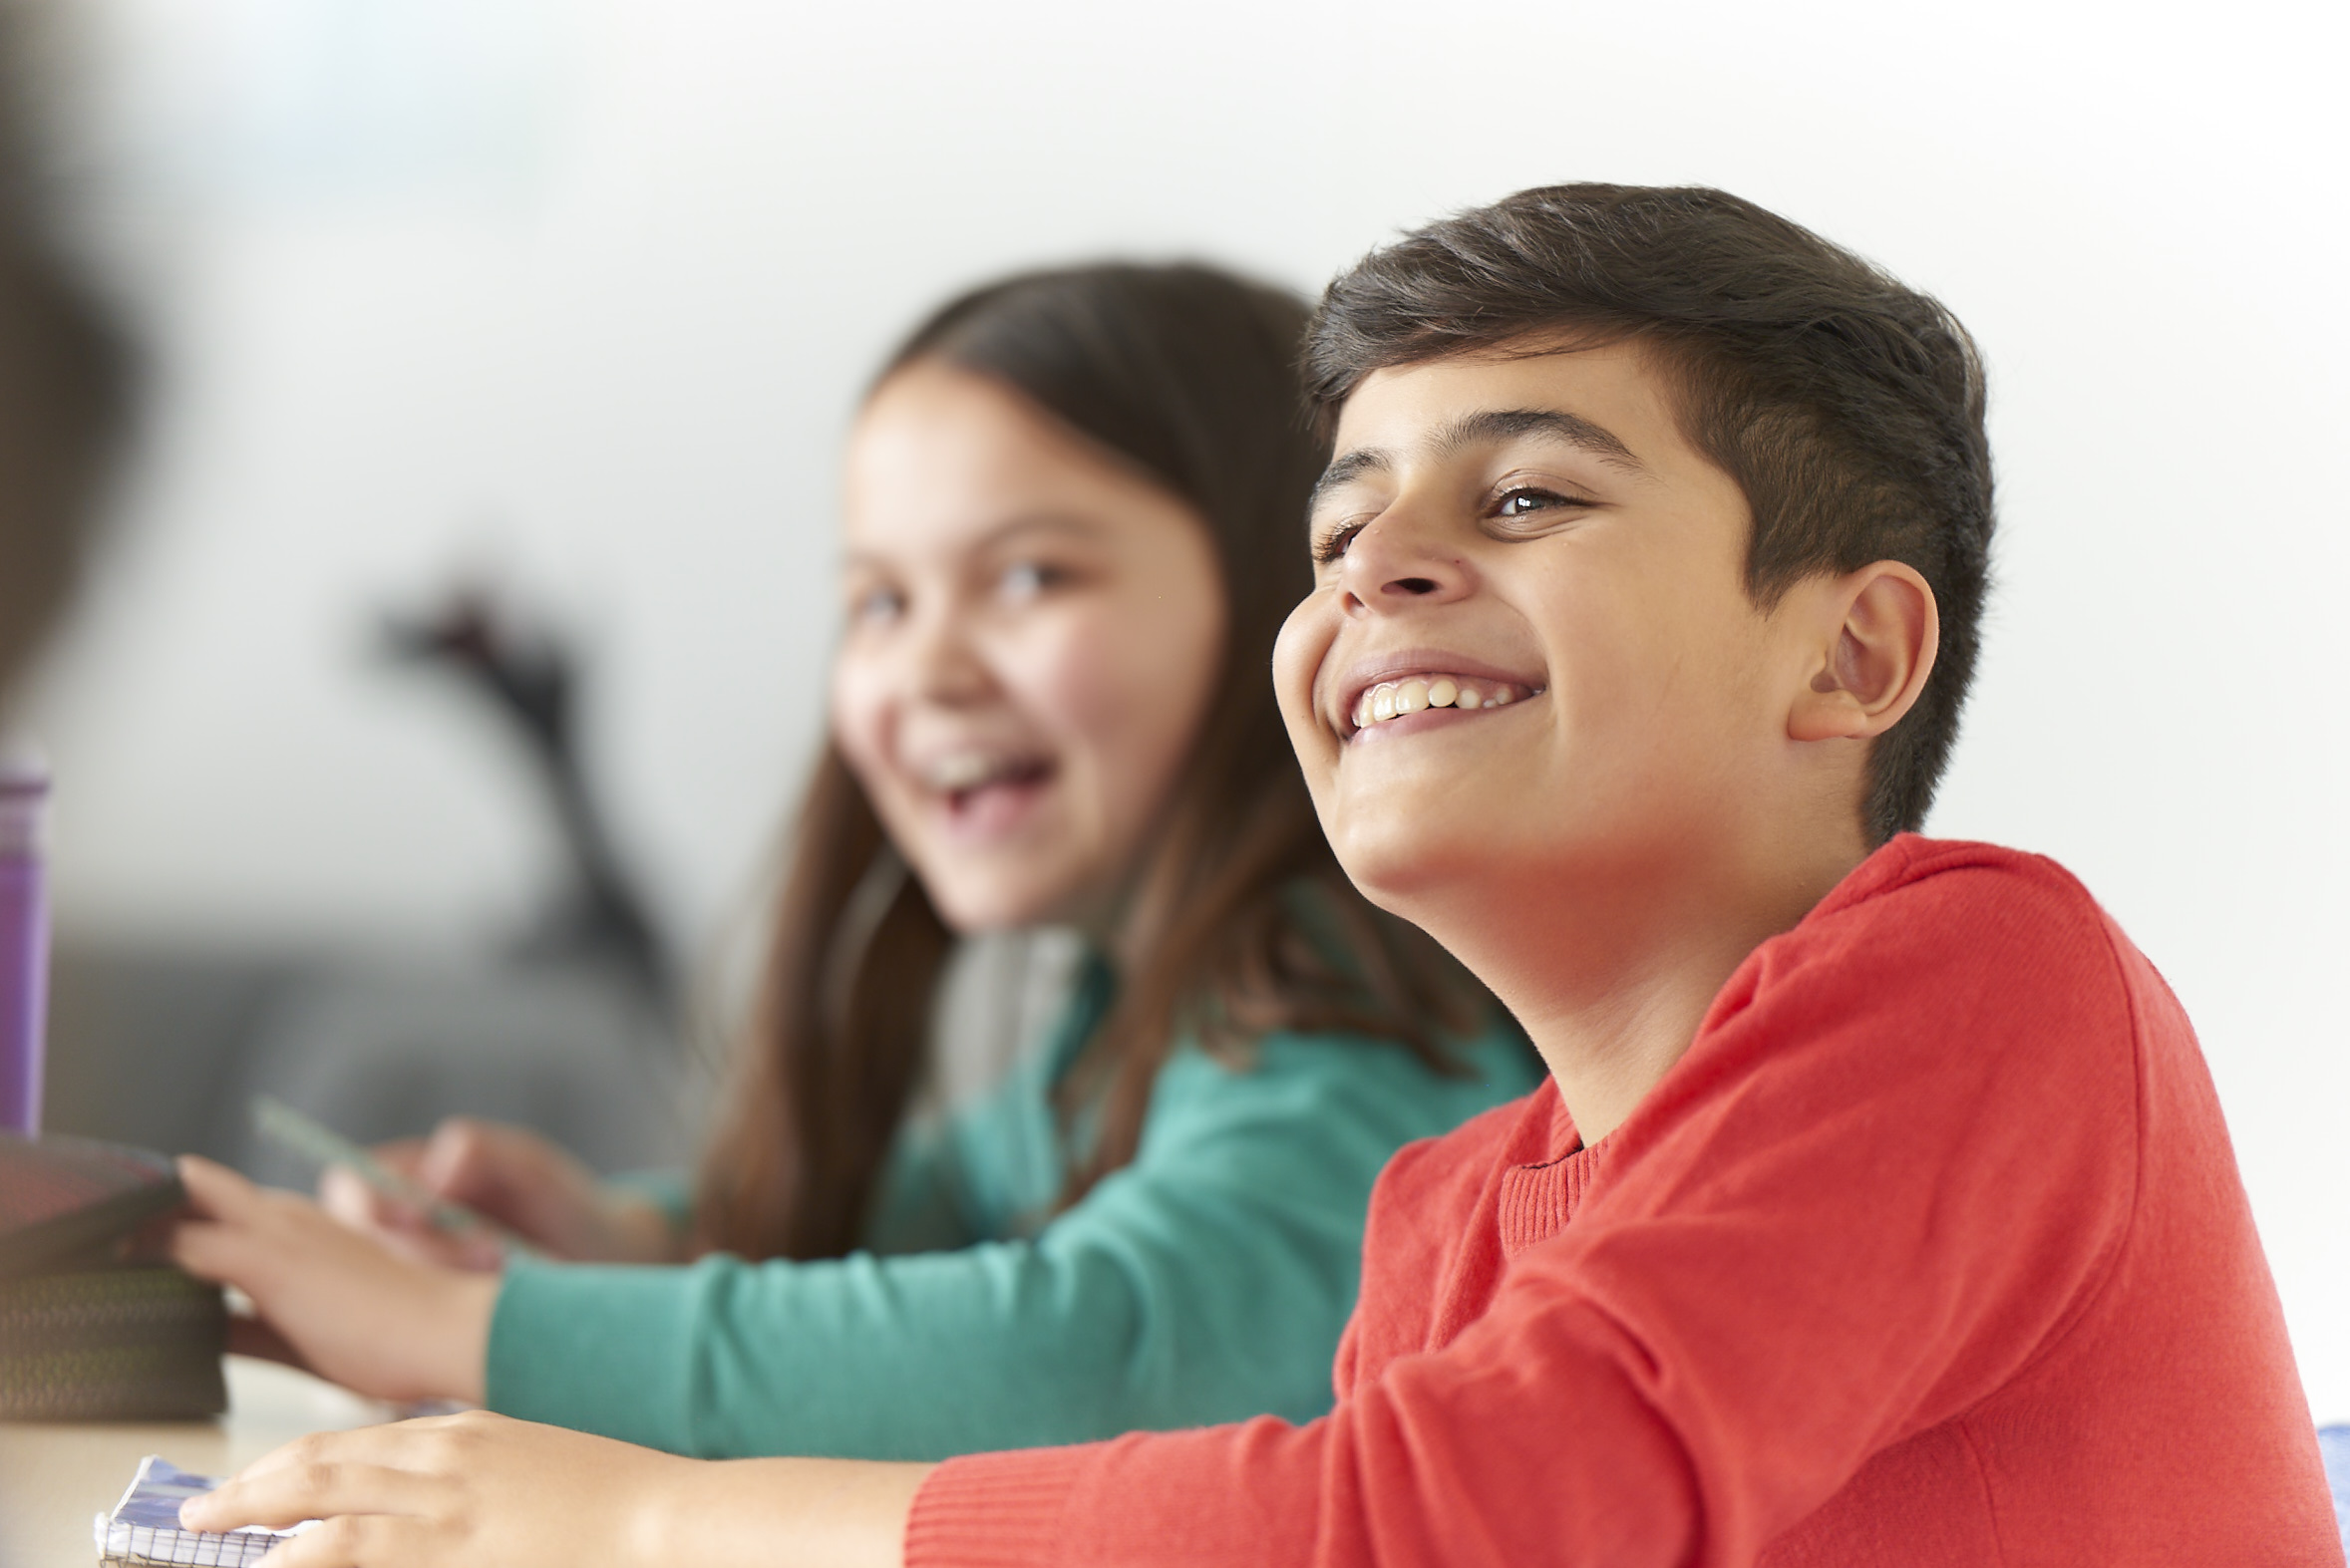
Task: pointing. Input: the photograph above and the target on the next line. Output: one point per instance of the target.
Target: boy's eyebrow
(1489, 425)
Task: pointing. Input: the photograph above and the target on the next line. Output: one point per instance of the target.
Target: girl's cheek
(1070, 673)
(857, 717)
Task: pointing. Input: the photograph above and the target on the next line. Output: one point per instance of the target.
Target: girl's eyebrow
(1068, 523)
(1488, 426)
(1048, 521)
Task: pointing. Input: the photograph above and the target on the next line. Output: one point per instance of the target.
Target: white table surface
(55, 1475)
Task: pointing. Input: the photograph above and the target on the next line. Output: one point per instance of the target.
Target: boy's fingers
(327, 1473)
(356, 1541)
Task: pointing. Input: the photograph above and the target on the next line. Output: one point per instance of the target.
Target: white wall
(584, 292)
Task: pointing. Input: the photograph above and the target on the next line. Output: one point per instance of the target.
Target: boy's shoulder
(1948, 917)
(1938, 972)
(1962, 877)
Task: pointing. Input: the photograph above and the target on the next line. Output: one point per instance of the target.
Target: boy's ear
(1875, 634)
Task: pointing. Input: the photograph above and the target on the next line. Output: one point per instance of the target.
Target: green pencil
(282, 1125)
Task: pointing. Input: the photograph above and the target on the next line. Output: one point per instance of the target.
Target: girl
(1073, 511)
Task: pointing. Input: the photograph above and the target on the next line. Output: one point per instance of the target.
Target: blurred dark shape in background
(528, 676)
(569, 1027)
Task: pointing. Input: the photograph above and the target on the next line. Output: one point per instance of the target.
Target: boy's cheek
(1299, 654)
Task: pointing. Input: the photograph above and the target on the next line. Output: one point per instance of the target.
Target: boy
(1877, 1208)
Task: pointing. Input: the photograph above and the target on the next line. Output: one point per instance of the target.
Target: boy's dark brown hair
(1187, 376)
(1848, 406)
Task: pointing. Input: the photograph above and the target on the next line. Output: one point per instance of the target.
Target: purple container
(24, 942)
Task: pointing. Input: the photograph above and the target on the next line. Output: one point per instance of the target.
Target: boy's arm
(1856, 1209)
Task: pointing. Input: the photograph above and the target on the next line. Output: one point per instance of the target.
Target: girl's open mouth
(985, 793)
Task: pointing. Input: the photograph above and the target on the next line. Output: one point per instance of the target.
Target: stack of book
(92, 1326)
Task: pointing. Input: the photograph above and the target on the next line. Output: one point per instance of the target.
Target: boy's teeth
(1394, 699)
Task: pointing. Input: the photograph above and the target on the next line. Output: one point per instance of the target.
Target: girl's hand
(348, 1308)
(513, 1176)
(481, 1492)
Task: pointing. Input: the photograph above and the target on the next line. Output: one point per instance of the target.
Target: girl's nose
(943, 664)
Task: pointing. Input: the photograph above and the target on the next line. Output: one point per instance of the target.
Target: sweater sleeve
(1207, 1281)
(1894, 1167)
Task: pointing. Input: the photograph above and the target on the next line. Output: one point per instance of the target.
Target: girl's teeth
(1466, 698)
(1441, 693)
(1412, 697)
(1383, 703)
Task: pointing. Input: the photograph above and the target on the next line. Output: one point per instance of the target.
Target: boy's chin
(1411, 873)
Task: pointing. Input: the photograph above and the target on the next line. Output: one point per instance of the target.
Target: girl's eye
(1025, 580)
(876, 606)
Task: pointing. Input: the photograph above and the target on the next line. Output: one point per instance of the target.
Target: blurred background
(424, 742)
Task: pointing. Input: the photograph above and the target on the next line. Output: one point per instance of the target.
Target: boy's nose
(1396, 562)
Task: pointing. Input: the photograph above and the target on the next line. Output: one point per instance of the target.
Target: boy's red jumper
(1930, 1251)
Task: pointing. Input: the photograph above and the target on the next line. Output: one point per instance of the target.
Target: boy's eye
(1331, 543)
(1524, 501)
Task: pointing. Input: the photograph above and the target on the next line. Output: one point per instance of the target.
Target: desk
(55, 1475)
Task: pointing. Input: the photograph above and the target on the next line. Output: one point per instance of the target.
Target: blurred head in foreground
(62, 390)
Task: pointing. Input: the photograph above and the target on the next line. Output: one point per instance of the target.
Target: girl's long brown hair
(1189, 375)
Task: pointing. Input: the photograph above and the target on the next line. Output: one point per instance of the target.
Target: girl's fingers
(215, 1192)
(343, 1194)
(459, 1159)
(209, 1250)
(404, 1155)
(256, 1338)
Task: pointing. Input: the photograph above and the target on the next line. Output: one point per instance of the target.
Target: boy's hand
(347, 1308)
(454, 1492)
(481, 1492)
(513, 1176)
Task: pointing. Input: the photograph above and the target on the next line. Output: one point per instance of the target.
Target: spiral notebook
(143, 1531)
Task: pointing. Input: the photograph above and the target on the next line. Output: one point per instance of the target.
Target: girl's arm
(1208, 1281)
(481, 1492)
